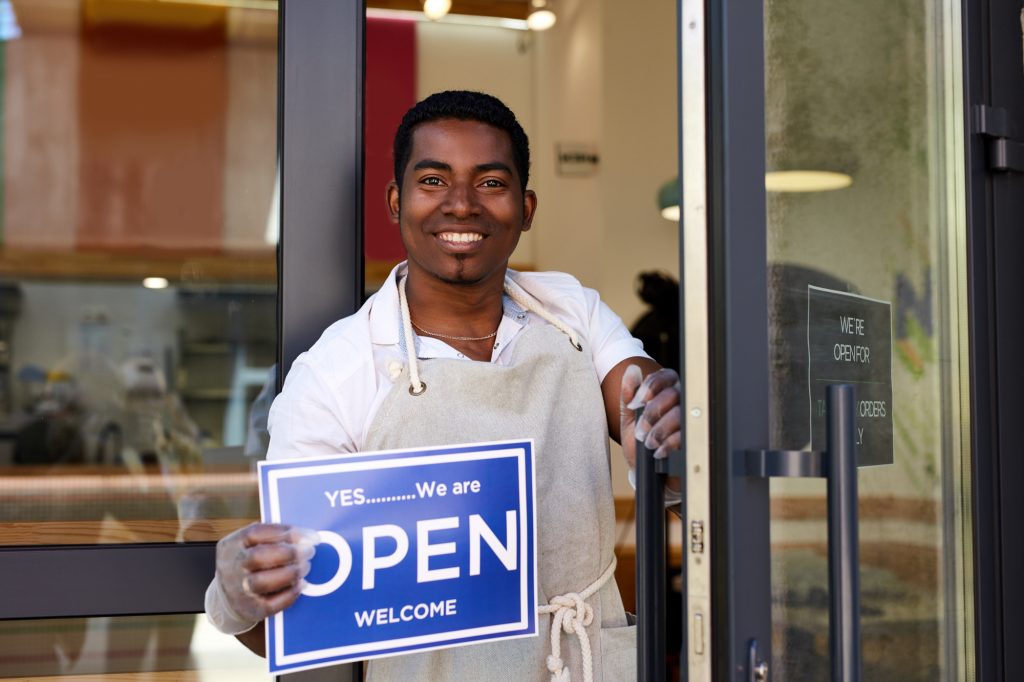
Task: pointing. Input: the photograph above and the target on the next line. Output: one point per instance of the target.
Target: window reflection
(139, 145)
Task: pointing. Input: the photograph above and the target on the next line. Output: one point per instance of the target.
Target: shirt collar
(386, 314)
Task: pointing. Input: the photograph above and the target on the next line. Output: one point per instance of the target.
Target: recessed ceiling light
(155, 282)
(435, 9)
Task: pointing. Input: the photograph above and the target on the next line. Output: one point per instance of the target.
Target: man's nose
(461, 201)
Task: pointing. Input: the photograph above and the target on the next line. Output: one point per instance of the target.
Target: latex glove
(659, 428)
(260, 572)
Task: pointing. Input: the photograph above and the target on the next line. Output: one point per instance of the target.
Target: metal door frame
(994, 78)
(723, 246)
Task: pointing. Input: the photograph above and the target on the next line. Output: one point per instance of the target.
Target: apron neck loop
(513, 290)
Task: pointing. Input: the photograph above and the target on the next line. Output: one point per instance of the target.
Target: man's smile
(460, 237)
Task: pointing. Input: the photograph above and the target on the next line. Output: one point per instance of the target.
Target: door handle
(838, 465)
(651, 559)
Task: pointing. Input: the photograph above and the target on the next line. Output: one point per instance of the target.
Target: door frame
(320, 279)
(726, 360)
(993, 77)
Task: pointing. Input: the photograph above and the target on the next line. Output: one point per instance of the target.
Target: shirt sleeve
(610, 340)
(304, 420)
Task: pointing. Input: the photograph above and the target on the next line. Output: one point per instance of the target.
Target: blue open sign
(420, 549)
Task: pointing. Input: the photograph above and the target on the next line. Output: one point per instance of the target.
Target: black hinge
(1005, 152)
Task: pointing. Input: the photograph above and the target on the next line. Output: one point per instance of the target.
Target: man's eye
(493, 183)
(431, 180)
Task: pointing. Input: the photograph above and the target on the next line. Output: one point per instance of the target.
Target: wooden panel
(189, 268)
(152, 107)
(869, 507)
(169, 676)
(115, 532)
(506, 9)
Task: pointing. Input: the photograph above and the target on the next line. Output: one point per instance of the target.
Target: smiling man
(455, 348)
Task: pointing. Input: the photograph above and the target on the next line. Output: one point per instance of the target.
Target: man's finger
(265, 583)
(653, 384)
(265, 533)
(657, 407)
(673, 442)
(284, 598)
(666, 426)
(263, 557)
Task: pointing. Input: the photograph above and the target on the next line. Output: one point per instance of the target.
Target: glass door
(824, 243)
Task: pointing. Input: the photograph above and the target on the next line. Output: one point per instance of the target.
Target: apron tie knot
(570, 613)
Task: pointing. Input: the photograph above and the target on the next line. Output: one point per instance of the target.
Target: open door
(824, 243)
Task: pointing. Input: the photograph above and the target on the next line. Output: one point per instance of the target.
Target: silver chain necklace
(455, 338)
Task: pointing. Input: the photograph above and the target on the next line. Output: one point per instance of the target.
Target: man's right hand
(260, 568)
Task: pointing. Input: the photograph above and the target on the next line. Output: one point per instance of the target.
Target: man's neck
(454, 308)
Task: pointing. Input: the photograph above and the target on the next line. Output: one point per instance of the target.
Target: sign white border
(280, 662)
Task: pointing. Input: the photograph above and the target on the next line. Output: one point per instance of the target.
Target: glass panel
(137, 256)
(866, 96)
(184, 647)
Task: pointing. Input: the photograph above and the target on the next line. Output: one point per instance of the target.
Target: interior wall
(606, 77)
(499, 61)
(569, 229)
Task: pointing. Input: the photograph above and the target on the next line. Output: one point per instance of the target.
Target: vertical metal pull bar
(843, 555)
(651, 604)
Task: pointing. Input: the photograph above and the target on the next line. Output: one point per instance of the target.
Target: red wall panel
(390, 91)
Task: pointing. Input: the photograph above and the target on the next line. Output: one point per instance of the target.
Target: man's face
(462, 210)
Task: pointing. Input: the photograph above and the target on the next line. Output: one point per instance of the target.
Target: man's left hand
(659, 426)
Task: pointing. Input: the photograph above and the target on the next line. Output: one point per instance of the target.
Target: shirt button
(461, 355)
(521, 316)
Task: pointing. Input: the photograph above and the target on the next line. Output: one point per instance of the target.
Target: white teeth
(460, 237)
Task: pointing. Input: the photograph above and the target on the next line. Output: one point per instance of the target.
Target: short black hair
(462, 105)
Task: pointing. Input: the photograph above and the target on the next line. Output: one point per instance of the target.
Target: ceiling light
(435, 9)
(806, 181)
(668, 200)
(541, 18)
(155, 282)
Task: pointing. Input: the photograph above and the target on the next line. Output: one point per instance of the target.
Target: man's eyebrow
(431, 164)
(494, 166)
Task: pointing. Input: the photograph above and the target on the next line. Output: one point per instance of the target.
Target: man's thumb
(631, 380)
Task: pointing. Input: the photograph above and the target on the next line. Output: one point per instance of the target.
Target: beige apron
(550, 393)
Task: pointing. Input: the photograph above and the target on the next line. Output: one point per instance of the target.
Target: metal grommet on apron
(575, 519)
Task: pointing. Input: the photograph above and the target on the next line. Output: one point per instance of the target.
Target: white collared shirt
(334, 389)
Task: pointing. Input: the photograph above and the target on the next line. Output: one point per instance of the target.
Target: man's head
(459, 196)
(462, 105)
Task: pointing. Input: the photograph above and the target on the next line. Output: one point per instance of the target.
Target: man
(456, 348)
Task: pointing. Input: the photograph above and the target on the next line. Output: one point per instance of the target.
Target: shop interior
(139, 229)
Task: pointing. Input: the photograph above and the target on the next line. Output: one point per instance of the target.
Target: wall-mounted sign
(849, 341)
(419, 550)
(576, 159)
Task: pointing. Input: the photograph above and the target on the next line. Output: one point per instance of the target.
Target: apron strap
(570, 612)
(514, 291)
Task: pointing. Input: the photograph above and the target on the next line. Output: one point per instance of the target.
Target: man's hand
(659, 426)
(260, 568)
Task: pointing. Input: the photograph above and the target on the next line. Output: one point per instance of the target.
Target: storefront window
(137, 257)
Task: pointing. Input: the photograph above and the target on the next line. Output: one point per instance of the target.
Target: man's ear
(392, 200)
(529, 208)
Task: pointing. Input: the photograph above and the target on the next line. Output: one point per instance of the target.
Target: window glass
(866, 104)
(137, 267)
